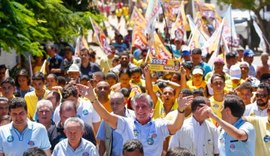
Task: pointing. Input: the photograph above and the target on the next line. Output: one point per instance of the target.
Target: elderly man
(56, 132)
(237, 137)
(111, 141)
(21, 134)
(44, 113)
(150, 133)
(74, 144)
(197, 134)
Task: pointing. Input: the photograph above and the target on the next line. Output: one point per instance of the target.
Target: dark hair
(196, 51)
(246, 85)
(8, 80)
(178, 75)
(111, 75)
(38, 76)
(265, 86)
(132, 145)
(99, 73)
(197, 101)
(265, 77)
(2, 66)
(217, 75)
(186, 91)
(84, 77)
(188, 65)
(84, 50)
(125, 92)
(4, 99)
(135, 70)
(179, 151)
(53, 75)
(235, 104)
(198, 92)
(61, 80)
(17, 102)
(124, 71)
(69, 90)
(23, 72)
(56, 94)
(232, 54)
(34, 152)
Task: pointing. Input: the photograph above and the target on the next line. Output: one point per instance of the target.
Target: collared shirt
(201, 139)
(14, 143)
(151, 134)
(262, 127)
(90, 69)
(117, 140)
(85, 111)
(86, 148)
(56, 134)
(229, 146)
(253, 110)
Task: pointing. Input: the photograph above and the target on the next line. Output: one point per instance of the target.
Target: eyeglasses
(260, 95)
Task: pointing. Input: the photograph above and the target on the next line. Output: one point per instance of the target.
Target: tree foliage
(26, 24)
(256, 6)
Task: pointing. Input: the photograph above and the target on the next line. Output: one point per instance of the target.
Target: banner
(167, 65)
(229, 31)
(180, 25)
(137, 19)
(139, 40)
(157, 49)
(197, 39)
(101, 38)
(80, 44)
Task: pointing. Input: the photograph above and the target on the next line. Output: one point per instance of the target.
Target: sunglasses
(260, 95)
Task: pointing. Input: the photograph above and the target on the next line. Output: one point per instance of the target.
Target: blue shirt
(151, 134)
(86, 148)
(229, 146)
(206, 68)
(14, 143)
(117, 140)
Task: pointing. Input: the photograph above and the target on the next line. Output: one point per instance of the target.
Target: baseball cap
(197, 71)
(248, 53)
(235, 72)
(219, 60)
(73, 68)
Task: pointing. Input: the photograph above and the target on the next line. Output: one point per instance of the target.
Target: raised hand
(86, 91)
(184, 102)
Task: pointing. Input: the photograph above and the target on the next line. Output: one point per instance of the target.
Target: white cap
(235, 72)
(197, 71)
(73, 68)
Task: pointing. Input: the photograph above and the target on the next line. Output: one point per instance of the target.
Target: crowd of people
(116, 105)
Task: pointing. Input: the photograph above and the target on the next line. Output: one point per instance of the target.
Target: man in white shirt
(259, 107)
(197, 134)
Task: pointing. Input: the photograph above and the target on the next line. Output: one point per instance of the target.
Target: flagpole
(166, 25)
(231, 27)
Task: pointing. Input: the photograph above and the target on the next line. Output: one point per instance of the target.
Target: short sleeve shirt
(151, 134)
(14, 143)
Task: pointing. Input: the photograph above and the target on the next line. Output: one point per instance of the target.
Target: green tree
(26, 24)
(256, 6)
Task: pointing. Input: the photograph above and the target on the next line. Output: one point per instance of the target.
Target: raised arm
(228, 128)
(148, 84)
(178, 122)
(87, 91)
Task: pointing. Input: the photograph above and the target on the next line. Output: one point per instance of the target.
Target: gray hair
(142, 96)
(117, 95)
(76, 120)
(44, 103)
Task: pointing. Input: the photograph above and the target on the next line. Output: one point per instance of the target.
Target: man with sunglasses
(262, 125)
(259, 107)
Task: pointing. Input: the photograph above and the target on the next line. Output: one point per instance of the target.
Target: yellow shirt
(216, 106)
(230, 86)
(262, 127)
(31, 102)
(142, 82)
(159, 111)
(192, 87)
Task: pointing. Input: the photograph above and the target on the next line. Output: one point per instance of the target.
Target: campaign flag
(137, 19)
(263, 42)
(80, 44)
(179, 27)
(157, 49)
(229, 31)
(197, 38)
(152, 11)
(212, 45)
(101, 38)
